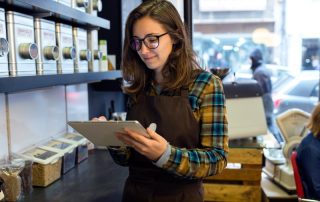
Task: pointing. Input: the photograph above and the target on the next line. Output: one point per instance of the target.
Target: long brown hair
(314, 122)
(178, 70)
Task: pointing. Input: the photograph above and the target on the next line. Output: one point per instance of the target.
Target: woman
(167, 87)
(308, 157)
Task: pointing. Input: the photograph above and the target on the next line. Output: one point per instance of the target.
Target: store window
(127, 7)
(227, 31)
(311, 54)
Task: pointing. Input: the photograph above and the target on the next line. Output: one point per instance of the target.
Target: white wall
(3, 129)
(179, 6)
(77, 103)
(35, 116)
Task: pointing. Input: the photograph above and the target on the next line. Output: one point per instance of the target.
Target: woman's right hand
(100, 118)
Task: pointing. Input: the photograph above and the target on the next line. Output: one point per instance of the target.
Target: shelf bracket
(90, 27)
(43, 14)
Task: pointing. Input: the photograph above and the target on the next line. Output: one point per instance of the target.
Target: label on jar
(58, 145)
(82, 43)
(27, 33)
(48, 38)
(40, 154)
(66, 40)
(73, 137)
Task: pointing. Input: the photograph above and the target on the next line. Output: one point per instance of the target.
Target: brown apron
(176, 123)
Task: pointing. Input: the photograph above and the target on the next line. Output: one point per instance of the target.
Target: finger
(123, 138)
(102, 118)
(130, 141)
(136, 136)
(94, 119)
(137, 146)
(126, 138)
(153, 126)
(152, 134)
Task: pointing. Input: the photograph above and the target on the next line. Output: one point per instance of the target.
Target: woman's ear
(174, 41)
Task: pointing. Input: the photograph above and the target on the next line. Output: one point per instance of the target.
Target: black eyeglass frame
(132, 41)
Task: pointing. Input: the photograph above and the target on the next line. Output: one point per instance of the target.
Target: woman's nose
(144, 48)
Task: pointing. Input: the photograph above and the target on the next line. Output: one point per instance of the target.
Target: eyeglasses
(151, 41)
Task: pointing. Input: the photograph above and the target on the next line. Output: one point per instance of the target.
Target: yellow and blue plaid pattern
(207, 100)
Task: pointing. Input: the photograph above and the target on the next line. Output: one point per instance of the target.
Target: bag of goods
(9, 174)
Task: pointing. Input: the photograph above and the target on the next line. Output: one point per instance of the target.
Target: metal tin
(80, 4)
(97, 5)
(93, 46)
(28, 51)
(45, 35)
(65, 2)
(84, 54)
(67, 52)
(4, 46)
(23, 50)
(94, 7)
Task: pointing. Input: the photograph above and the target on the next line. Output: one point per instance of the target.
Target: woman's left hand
(152, 147)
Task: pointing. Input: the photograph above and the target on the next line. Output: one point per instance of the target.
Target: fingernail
(153, 126)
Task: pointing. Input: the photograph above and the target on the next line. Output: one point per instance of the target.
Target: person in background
(167, 87)
(308, 157)
(263, 76)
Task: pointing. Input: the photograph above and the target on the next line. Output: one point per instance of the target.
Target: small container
(119, 116)
(23, 49)
(103, 47)
(93, 46)
(67, 52)
(26, 177)
(81, 142)
(9, 173)
(25, 174)
(66, 150)
(84, 55)
(45, 36)
(80, 5)
(65, 2)
(46, 167)
(94, 7)
(4, 46)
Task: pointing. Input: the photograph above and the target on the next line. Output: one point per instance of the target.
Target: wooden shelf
(58, 11)
(21, 83)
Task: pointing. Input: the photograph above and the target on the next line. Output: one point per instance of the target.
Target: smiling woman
(149, 31)
(167, 87)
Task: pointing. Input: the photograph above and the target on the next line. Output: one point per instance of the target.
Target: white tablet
(102, 133)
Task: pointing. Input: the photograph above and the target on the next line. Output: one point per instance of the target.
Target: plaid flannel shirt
(207, 101)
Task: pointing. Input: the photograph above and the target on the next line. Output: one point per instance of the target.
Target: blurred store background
(225, 32)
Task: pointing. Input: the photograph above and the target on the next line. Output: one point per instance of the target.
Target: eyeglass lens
(151, 42)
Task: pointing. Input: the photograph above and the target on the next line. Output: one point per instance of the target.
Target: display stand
(240, 181)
